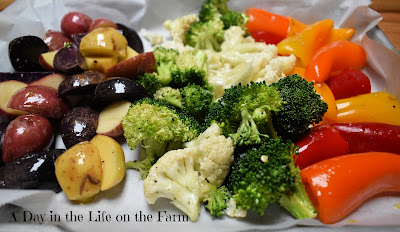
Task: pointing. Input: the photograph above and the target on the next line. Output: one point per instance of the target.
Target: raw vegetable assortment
(238, 111)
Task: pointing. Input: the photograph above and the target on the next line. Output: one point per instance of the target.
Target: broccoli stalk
(216, 200)
(297, 201)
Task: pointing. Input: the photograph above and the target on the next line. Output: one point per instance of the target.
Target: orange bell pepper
(335, 56)
(328, 97)
(268, 23)
(377, 107)
(295, 27)
(341, 34)
(306, 43)
(337, 186)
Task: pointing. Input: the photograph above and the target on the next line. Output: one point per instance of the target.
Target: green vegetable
(176, 70)
(234, 18)
(216, 200)
(244, 112)
(158, 127)
(303, 107)
(193, 99)
(206, 35)
(264, 174)
(214, 18)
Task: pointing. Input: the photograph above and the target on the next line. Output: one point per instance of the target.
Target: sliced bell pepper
(335, 56)
(339, 185)
(349, 83)
(305, 44)
(341, 34)
(366, 136)
(377, 107)
(273, 25)
(321, 143)
(295, 27)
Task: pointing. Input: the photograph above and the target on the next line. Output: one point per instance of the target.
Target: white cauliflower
(178, 27)
(233, 211)
(242, 60)
(185, 176)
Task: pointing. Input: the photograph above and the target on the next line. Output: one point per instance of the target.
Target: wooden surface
(390, 24)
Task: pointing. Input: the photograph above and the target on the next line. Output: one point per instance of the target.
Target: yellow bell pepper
(341, 34)
(304, 44)
(377, 107)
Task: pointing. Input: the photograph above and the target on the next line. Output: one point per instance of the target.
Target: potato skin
(79, 125)
(26, 134)
(31, 171)
(81, 83)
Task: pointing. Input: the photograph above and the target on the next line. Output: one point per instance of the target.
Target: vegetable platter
(124, 206)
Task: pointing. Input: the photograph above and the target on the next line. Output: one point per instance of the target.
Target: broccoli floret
(150, 82)
(176, 70)
(303, 107)
(169, 94)
(193, 99)
(158, 127)
(196, 101)
(234, 18)
(206, 35)
(190, 68)
(265, 174)
(213, 9)
(244, 112)
(215, 202)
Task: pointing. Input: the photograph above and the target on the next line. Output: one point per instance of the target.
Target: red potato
(349, 83)
(110, 119)
(46, 60)
(133, 67)
(26, 134)
(52, 80)
(7, 90)
(39, 99)
(75, 22)
(102, 22)
(55, 40)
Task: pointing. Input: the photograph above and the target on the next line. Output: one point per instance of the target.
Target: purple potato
(79, 125)
(24, 53)
(81, 83)
(77, 38)
(117, 89)
(69, 60)
(31, 171)
(132, 37)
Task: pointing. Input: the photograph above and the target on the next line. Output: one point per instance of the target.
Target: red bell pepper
(365, 137)
(339, 185)
(349, 83)
(322, 142)
(266, 27)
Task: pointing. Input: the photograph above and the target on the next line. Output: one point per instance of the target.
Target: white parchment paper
(125, 203)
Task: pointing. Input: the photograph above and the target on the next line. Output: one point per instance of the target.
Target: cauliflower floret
(173, 176)
(178, 27)
(276, 69)
(214, 154)
(185, 176)
(243, 60)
